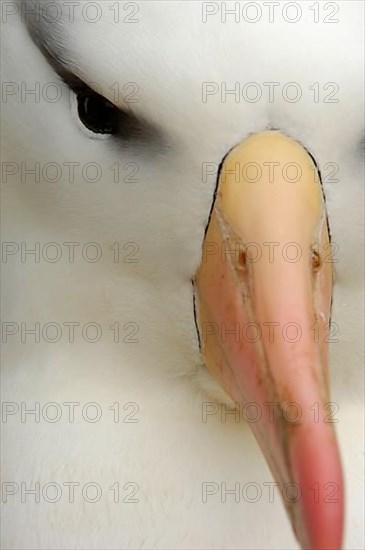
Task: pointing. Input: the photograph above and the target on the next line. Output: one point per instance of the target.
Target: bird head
(227, 146)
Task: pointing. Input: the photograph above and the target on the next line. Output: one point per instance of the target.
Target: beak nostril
(316, 261)
(242, 260)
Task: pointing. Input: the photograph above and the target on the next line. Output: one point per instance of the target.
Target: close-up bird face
(198, 169)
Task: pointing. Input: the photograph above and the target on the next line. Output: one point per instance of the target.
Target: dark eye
(97, 113)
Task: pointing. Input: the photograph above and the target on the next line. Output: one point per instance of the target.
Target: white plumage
(169, 452)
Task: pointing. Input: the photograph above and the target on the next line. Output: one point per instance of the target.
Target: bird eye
(97, 113)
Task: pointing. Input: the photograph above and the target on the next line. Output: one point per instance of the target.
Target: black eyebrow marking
(44, 33)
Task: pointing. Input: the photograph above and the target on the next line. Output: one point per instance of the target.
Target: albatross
(182, 275)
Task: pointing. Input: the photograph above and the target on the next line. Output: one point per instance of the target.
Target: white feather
(170, 452)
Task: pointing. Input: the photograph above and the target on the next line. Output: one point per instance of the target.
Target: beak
(264, 291)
